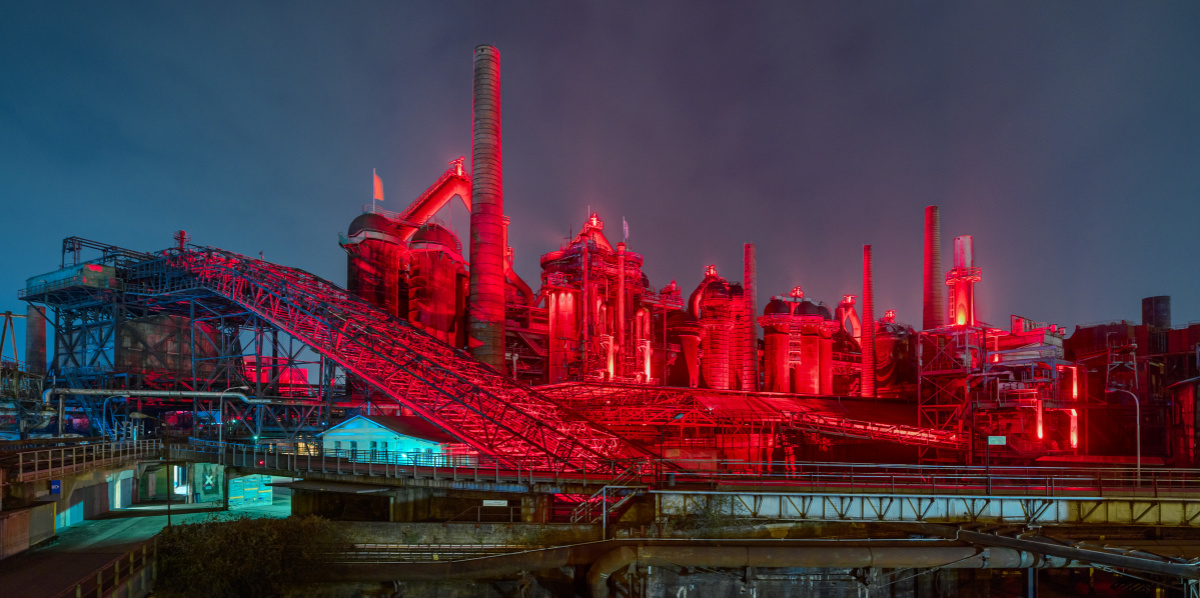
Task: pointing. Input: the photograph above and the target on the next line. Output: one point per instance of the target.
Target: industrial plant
(618, 406)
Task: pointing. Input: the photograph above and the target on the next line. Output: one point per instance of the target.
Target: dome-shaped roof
(777, 307)
(436, 234)
(373, 222)
(807, 308)
(824, 311)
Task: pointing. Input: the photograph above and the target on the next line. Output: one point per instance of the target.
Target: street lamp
(221, 398)
(1137, 409)
(167, 446)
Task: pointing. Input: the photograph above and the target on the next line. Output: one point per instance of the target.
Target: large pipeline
(867, 381)
(485, 304)
(933, 312)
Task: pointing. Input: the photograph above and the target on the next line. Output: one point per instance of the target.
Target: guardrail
(479, 468)
(772, 476)
(42, 464)
(108, 578)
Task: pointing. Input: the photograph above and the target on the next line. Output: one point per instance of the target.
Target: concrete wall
(469, 533)
(22, 528)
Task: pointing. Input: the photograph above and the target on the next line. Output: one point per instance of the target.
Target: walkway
(87, 546)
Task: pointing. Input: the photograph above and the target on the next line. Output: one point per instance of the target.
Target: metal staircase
(481, 407)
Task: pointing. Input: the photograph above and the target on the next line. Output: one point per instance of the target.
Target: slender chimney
(867, 381)
(750, 367)
(621, 305)
(485, 303)
(932, 313)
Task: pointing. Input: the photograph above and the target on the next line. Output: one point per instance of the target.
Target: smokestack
(750, 365)
(1156, 311)
(485, 303)
(867, 381)
(621, 302)
(932, 314)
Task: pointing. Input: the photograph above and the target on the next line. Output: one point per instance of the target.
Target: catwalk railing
(766, 476)
(475, 403)
(42, 464)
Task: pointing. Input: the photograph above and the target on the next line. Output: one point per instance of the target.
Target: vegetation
(244, 557)
(707, 516)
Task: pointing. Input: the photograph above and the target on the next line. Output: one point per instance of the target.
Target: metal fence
(42, 464)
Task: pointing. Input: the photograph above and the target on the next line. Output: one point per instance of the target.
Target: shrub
(244, 557)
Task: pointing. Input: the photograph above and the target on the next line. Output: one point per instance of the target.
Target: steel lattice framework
(473, 402)
(632, 406)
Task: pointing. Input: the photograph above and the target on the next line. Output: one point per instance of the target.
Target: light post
(1137, 409)
(167, 446)
(221, 399)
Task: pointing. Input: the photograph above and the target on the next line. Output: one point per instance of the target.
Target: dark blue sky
(1064, 135)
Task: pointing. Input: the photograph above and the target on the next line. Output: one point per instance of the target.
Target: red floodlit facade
(598, 364)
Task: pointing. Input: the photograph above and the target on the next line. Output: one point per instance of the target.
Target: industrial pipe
(485, 304)
(851, 557)
(188, 394)
(867, 376)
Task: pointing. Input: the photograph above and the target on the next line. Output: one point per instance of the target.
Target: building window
(337, 446)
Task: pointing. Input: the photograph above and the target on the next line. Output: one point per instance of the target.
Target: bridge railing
(42, 464)
(709, 474)
(874, 478)
(393, 464)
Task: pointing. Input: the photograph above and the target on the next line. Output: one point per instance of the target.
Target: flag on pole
(378, 185)
(625, 225)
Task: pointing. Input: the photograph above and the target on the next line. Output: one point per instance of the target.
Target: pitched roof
(406, 426)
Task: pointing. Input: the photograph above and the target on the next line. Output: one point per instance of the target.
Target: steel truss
(476, 404)
(947, 358)
(101, 342)
(631, 409)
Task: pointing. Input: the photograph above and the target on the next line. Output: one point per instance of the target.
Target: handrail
(40, 464)
(111, 574)
(796, 477)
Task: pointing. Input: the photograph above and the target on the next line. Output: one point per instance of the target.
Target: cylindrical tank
(564, 330)
(710, 304)
(775, 347)
(1156, 311)
(485, 307)
(35, 339)
(375, 264)
(684, 330)
(437, 275)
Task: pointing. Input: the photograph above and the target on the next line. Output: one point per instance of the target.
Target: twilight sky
(1065, 136)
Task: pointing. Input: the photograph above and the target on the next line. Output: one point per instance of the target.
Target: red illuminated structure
(1014, 383)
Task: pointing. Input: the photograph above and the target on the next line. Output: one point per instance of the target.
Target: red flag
(378, 186)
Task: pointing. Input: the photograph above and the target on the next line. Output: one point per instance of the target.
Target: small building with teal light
(389, 438)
